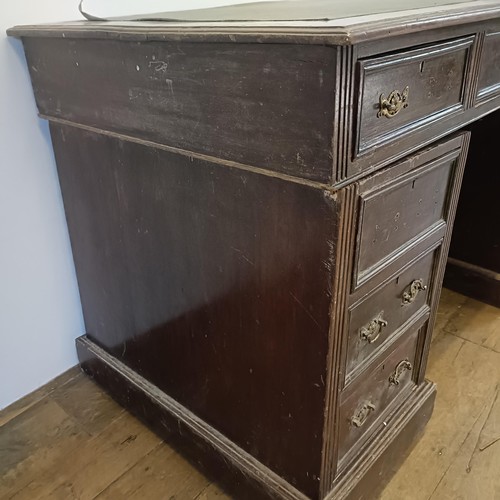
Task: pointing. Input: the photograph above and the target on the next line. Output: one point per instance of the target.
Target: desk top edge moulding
(289, 21)
(260, 211)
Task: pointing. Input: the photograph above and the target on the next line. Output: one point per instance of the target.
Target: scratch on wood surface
(305, 310)
(131, 438)
(491, 443)
(243, 256)
(443, 474)
(476, 447)
(458, 352)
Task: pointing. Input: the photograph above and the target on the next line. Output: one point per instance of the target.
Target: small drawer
(406, 91)
(365, 405)
(378, 318)
(397, 214)
(489, 72)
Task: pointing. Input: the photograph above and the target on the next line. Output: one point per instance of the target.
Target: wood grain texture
(210, 450)
(476, 322)
(437, 80)
(99, 410)
(98, 462)
(358, 29)
(489, 72)
(379, 462)
(34, 441)
(21, 405)
(398, 213)
(212, 192)
(452, 201)
(162, 473)
(312, 140)
(390, 296)
(336, 342)
(473, 281)
(269, 107)
(375, 390)
(467, 375)
(453, 454)
(212, 284)
(475, 243)
(404, 137)
(343, 130)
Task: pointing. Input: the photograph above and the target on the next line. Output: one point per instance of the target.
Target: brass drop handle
(361, 415)
(411, 293)
(392, 105)
(372, 330)
(401, 367)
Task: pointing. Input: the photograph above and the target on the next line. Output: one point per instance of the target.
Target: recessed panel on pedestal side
(213, 283)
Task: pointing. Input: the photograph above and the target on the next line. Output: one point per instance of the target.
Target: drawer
(365, 406)
(408, 90)
(399, 213)
(489, 71)
(380, 317)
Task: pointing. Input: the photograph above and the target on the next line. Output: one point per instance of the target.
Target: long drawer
(367, 403)
(379, 317)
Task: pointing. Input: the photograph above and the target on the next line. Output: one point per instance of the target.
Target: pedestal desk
(260, 214)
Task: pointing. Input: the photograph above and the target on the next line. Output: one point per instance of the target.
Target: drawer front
(399, 213)
(489, 72)
(381, 316)
(406, 91)
(364, 407)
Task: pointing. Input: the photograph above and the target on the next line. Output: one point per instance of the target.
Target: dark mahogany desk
(260, 215)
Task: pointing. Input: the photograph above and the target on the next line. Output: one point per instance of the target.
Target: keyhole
(413, 184)
(422, 66)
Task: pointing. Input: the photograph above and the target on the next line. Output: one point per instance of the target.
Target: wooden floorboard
(41, 437)
(26, 402)
(161, 474)
(96, 464)
(465, 365)
(69, 440)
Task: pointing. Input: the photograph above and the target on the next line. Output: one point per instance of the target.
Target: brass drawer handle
(393, 104)
(362, 414)
(371, 331)
(398, 372)
(411, 294)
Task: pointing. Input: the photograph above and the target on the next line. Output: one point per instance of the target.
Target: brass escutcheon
(371, 331)
(393, 104)
(411, 293)
(399, 370)
(362, 414)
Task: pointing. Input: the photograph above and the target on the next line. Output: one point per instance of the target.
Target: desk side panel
(265, 105)
(213, 283)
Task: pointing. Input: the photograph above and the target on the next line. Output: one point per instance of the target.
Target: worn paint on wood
(270, 107)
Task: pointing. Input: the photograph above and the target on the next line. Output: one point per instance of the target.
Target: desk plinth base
(242, 475)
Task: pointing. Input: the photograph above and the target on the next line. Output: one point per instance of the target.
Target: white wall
(40, 313)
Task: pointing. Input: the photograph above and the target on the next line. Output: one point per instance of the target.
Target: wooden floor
(69, 440)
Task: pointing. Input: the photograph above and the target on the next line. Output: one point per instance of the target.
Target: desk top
(284, 10)
(341, 22)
